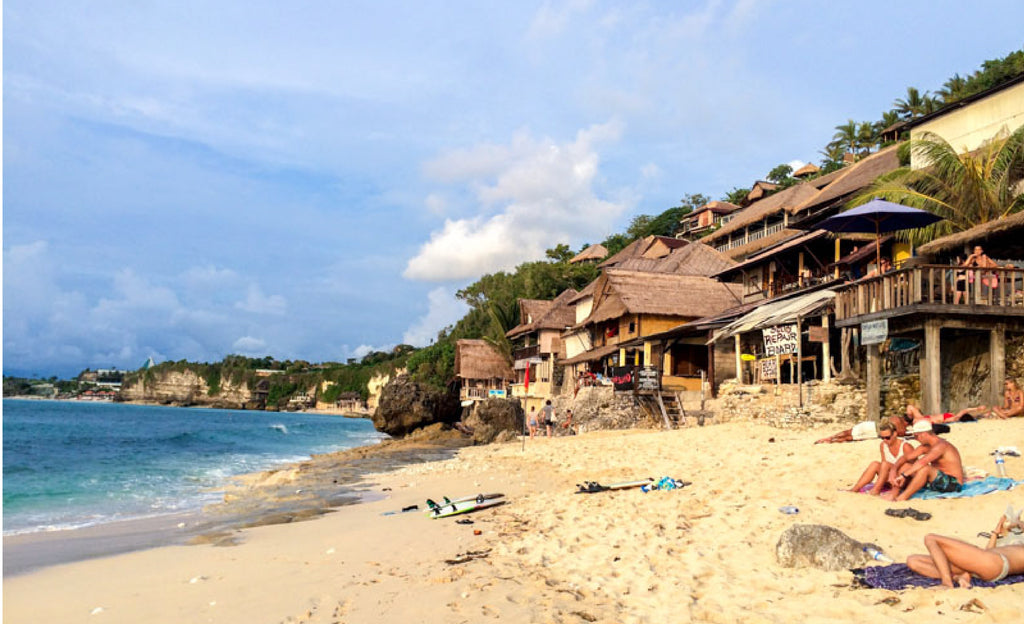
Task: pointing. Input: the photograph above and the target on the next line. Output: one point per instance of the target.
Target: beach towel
(971, 488)
(899, 576)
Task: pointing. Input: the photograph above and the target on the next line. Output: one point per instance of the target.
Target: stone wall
(831, 403)
(599, 407)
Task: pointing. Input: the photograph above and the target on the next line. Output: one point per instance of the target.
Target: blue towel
(899, 576)
(972, 488)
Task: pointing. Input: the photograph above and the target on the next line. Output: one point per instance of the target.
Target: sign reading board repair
(780, 339)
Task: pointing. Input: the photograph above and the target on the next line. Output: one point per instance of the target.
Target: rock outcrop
(820, 546)
(490, 420)
(186, 388)
(407, 405)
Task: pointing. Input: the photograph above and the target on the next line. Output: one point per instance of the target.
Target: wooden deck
(933, 289)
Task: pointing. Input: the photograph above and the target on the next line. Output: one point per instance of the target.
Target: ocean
(70, 464)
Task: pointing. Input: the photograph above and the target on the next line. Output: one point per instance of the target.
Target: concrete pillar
(931, 369)
(739, 362)
(826, 350)
(997, 364)
(874, 384)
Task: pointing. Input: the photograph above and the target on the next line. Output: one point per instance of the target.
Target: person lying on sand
(866, 431)
(965, 415)
(1013, 401)
(950, 559)
(892, 449)
(936, 464)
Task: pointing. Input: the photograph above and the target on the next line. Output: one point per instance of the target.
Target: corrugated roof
(779, 313)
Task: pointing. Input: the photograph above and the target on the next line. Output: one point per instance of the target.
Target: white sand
(705, 553)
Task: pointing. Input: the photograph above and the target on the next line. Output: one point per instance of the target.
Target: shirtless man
(950, 559)
(1013, 401)
(936, 464)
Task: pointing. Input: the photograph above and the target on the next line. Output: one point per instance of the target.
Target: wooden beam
(931, 368)
(997, 364)
(874, 384)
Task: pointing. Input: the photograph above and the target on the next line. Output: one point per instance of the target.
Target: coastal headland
(704, 553)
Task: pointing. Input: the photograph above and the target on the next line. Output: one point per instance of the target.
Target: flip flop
(897, 513)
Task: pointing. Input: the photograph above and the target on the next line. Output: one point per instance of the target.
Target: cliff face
(187, 388)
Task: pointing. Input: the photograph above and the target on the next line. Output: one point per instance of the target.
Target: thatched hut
(480, 369)
(593, 253)
(1002, 239)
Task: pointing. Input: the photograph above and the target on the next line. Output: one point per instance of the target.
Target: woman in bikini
(950, 559)
(1013, 401)
(892, 448)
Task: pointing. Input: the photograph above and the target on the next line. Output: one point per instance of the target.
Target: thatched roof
(622, 292)
(535, 314)
(588, 291)
(640, 247)
(478, 359)
(592, 253)
(1002, 239)
(693, 259)
(853, 178)
(806, 170)
(766, 255)
(759, 189)
(785, 199)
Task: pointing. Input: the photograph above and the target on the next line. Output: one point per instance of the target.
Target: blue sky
(313, 180)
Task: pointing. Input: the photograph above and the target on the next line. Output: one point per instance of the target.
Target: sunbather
(936, 464)
(966, 414)
(866, 431)
(1013, 400)
(891, 449)
(950, 559)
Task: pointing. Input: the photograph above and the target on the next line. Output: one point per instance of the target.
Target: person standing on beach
(531, 422)
(548, 414)
(567, 425)
(939, 468)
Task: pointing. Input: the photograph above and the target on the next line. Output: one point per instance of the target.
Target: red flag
(527, 390)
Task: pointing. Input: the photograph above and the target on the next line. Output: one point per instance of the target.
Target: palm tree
(914, 104)
(965, 189)
(846, 136)
(867, 137)
(953, 89)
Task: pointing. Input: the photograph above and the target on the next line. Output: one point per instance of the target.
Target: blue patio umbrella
(878, 216)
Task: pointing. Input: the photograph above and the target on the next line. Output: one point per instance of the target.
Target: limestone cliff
(186, 388)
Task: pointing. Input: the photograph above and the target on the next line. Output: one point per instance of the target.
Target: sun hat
(921, 426)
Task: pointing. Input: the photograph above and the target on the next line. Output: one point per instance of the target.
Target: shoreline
(289, 493)
(703, 553)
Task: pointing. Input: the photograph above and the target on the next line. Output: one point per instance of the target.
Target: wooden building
(481, 370)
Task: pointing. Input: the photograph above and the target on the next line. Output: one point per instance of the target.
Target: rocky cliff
(186, 388)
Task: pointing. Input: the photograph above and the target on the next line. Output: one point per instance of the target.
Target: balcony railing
(933, 286)
(524, 353)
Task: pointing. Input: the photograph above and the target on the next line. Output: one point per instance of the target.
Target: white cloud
(248, 345)
(796, 164)
(259, 303)
(530, 195)
(443, 310)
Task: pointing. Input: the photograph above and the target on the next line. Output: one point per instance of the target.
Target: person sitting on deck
(950, 559)
(963, 278)
(936, 465)
(965, 415)
(892, 448)
(885, 267)
(1013, 400)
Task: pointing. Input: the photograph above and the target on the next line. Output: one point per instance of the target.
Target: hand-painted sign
(780, 339)
(647, 379)
(817, 333)
(769, 368)
(874, 332)
(496, 394)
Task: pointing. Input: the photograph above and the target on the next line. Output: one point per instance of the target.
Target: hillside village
(755, 299)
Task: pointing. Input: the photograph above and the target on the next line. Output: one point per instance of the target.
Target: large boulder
(820, 546)
(406, 405)
(489, 419)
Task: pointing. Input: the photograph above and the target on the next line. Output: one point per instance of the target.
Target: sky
(315, 179)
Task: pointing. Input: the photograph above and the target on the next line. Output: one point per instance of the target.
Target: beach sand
(705, 553)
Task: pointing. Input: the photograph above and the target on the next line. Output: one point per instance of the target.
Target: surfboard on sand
(454, 508)
(590, 487)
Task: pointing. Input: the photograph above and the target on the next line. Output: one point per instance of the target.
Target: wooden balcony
(525, 353)
(932, 289)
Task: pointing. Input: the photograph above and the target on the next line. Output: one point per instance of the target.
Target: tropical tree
(965, 189)
(953, 89)
(867, 136)
(914, 105)
(846, 136)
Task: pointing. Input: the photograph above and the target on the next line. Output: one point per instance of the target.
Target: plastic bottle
(1000, 464)
(789, 509)
(878, 555)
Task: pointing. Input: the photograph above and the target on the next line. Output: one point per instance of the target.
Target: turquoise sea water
(75, 464)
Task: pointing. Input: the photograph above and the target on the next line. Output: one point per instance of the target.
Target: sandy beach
(705, 553)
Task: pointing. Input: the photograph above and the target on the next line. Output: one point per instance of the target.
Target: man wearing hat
(936, 465)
